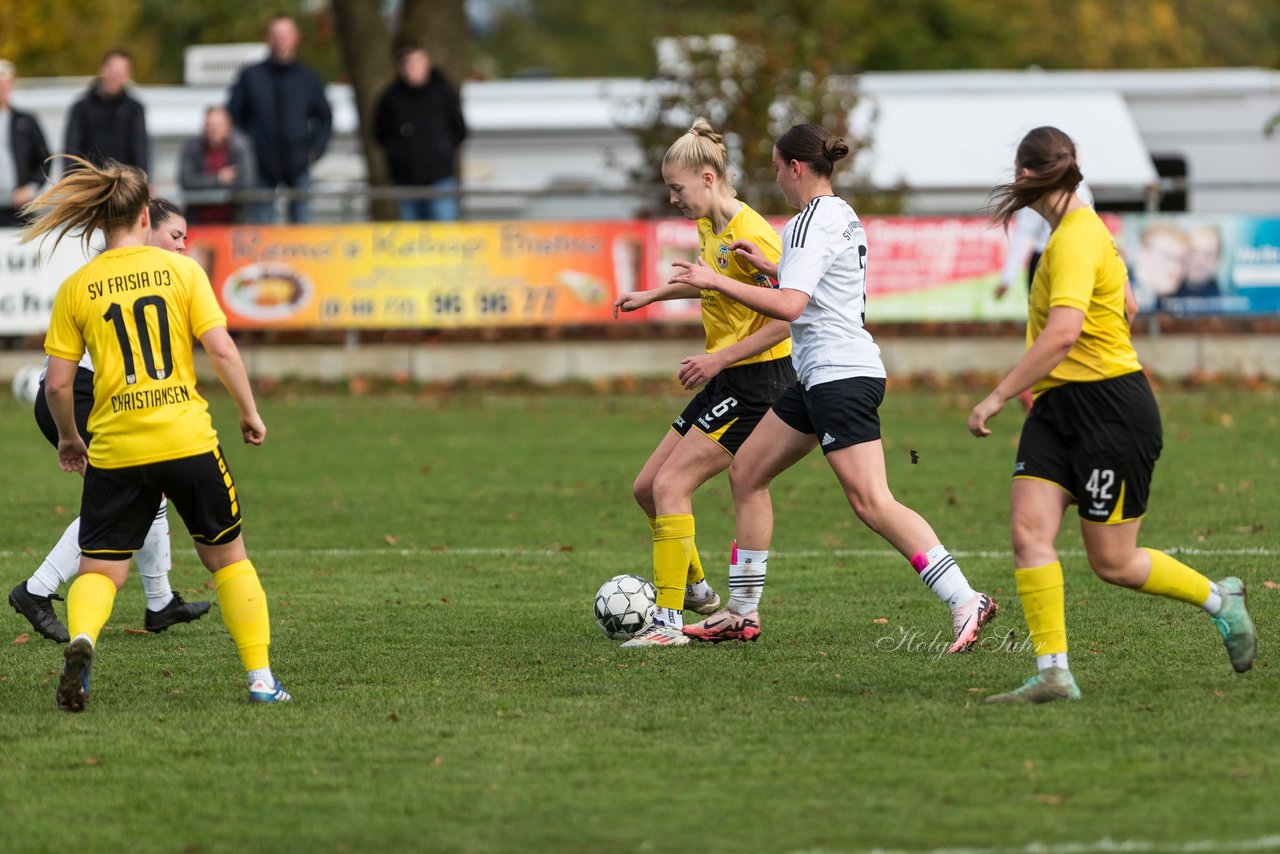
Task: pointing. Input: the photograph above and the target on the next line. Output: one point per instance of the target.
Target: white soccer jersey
(85, 362)
(824, 254)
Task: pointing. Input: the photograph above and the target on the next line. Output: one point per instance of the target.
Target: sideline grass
(430, 564)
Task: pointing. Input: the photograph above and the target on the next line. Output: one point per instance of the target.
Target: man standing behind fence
(280, 104)
(418, 122)
(22, 153)
(108, 123)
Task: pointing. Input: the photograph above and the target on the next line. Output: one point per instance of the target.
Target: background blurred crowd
(275, 124)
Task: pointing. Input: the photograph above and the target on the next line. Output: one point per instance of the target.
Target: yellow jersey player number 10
(136, 308)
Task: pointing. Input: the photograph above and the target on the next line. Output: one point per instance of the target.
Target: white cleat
(654, 635)
(968, 619)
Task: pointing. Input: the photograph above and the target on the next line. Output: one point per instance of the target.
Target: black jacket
(420, 129)
(100, 128)
(30, 151)
(282, 109)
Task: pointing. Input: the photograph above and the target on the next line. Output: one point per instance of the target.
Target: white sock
(1053, 659)
(60, 565)
(746, 579)
(155, 560)
(261, 674)
(700, 590)
(86, 637)
(672, 618)
(940, 572)
(1213, 604)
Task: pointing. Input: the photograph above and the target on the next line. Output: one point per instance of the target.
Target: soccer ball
(26, 383)
(624, 605)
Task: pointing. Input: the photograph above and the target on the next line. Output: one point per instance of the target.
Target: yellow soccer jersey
(1081, 268)
(727, 321)
(136, 310)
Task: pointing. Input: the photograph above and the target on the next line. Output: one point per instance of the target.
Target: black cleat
(175, 612)
(73, 684)
(39, 612)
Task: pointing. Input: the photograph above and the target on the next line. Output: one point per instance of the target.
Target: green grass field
(431, 561)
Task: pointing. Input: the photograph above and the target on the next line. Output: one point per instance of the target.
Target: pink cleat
(726, 625)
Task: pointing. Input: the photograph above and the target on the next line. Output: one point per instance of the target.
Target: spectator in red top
(217, 160)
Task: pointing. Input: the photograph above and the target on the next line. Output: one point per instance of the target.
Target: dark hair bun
(835, 149)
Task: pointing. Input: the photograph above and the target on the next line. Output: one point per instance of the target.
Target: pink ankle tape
(920, 562)
(733, 554)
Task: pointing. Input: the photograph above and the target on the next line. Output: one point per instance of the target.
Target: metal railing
(357, 201)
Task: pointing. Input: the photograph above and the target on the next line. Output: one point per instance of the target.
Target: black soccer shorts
(1099, 441)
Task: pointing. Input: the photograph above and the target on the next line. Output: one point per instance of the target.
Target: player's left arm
(225, 358)
(1130, 302)
(59, 394)
(779, 303)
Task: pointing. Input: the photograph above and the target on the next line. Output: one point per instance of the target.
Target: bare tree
(438, 25)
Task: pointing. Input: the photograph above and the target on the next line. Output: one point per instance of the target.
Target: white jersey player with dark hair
(822, 293)
(34, 597)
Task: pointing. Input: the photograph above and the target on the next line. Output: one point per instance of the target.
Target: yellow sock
(244, 610)
(695, 567)
(672, 548)
(696, 573)
(1175, 580)
(89, 602)
(1040, 589)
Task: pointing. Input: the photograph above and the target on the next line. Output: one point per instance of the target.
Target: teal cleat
(1235, 625)
(262, 692)
(1052, 683)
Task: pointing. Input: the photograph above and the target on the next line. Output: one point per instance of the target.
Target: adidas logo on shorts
(827, 439)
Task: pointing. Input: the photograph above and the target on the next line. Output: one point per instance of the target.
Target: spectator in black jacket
(280, 104)
(418, 122)
(107, 123)
(22, 153)
(213, 164)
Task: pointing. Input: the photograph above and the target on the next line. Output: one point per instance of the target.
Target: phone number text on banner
(417, 276)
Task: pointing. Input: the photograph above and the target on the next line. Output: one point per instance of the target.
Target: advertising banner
(29, 277)
(1194, 264)
(538, 274)
(411, 276)
(918, 268)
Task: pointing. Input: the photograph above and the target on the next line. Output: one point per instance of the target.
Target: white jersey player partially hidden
(824, 254)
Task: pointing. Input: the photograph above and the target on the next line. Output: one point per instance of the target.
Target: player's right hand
(252, 428)
(73, 455)
(628, 302)
(751, 253)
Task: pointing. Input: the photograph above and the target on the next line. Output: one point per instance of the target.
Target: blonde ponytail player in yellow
(1094, 435)
(747, 364)
(136, 308)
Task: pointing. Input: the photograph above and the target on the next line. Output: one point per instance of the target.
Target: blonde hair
(699, 148)
(110, 197)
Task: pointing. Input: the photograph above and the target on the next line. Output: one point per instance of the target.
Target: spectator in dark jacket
(107, 123)
(280, 104)
(212, 164)
(418, 122)
(22, 153)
